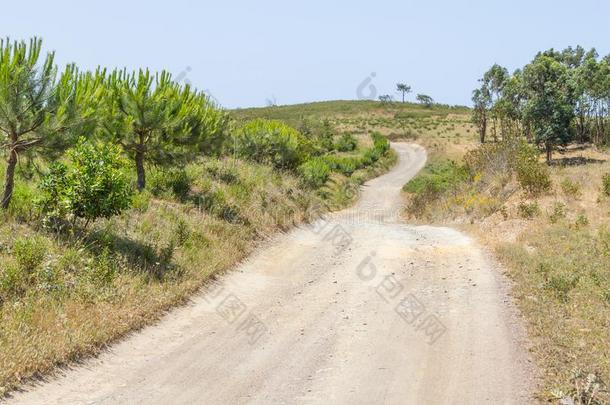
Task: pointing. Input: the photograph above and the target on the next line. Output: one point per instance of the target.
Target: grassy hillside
(340, 108)
(441, 129)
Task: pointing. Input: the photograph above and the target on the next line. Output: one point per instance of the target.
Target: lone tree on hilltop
(404, 89)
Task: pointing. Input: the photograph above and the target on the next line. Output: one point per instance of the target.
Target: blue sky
(246, 52)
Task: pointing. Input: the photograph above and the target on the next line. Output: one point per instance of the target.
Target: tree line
(557, 98)
(44, 111)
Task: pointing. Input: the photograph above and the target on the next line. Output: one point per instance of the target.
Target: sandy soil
(357, 308)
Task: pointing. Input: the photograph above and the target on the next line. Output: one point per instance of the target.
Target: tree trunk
(140, 170)
(549, 152)
(483, 130)
(403, 96)
(9, 181)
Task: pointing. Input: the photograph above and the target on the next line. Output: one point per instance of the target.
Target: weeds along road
(358, 308)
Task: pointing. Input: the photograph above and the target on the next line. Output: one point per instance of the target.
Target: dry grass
(556, 248)
(73, 313)
(73, 297)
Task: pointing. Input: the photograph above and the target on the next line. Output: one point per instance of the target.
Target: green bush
(561, 285)
(93, 186)
(380, 142)
(559, 212)
(581, 220)
(17, 275)
(570, 188)
(533, 176)
(314, 172)
(606, 184)
(437, 178)
(528, 210)
(370, 156)
(22, 206)
(346, 143)
(342, 164)
(171, 180)
(221, 171)
(141, 201)
(29, 253)
(272, 142)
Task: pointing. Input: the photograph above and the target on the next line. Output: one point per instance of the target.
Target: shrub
(221, 171)
(93, 186)
(22, 207)
(17, 275)
(533, 176)
(561, 285)
(141, 201)
(13, 281)
(370, 156)
(342, 164)
(570, 188)
(29, 253)
(437, 178)
(493, 159)
(502, 159)
(173, 180)
(314, 172)
(380, 142)
(559, 212)
(346, 143)
(272, 142)
(528, 210)
(324, 135)
(581, 220)
(606, 184)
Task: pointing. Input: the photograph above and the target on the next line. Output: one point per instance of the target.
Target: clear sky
(247, 52)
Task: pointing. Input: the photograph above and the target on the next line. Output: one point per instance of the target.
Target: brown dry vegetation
(555, 246)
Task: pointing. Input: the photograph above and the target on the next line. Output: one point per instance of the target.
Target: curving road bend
(358, 308)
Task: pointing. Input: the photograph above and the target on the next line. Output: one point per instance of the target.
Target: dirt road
(359, 308)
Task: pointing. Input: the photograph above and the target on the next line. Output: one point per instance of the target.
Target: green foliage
(346, 143)
(550, 99)
(561, 285)
(380, 142)
(155, 119)
(174, 180)
(425, 100)
(606, 184)
(141, 201)
(29, 252)
(528, 210)
(21, 207)
(345, 165)
(272, 142)
(314, 172)
(26, 90)
(571, 188)
(558, 213)
(581, 220)
(325, 135)
(558, 97)
(404, 89)
(437, 178)
(534, 177)
(93, 186)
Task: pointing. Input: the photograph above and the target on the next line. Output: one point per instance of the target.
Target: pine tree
(26, 102)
